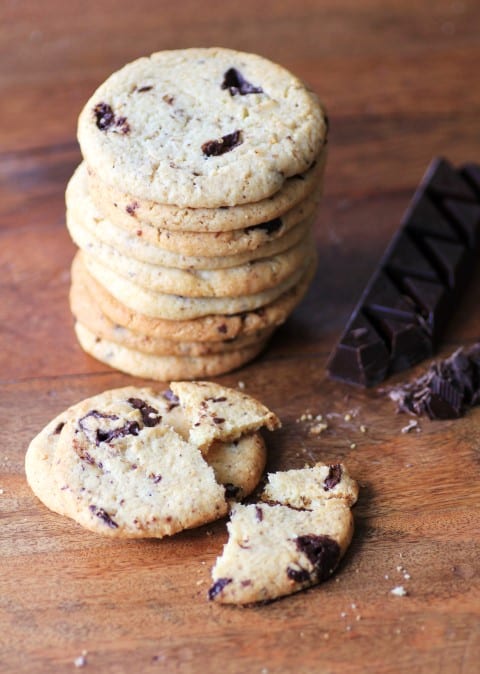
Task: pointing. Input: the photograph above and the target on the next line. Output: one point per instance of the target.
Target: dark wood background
(401, 83)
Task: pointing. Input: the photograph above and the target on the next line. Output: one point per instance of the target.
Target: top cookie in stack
(193, 210)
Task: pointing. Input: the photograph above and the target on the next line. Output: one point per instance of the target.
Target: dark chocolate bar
(406, 304)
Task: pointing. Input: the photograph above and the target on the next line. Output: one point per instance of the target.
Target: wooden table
(401, 83)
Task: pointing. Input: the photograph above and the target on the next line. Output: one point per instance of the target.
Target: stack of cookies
(193, 210)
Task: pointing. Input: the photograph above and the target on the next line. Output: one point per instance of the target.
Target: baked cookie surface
(290, 543)
(205, 328)
(201, 128)
(121, 465)
(127, 210)
(163, 367)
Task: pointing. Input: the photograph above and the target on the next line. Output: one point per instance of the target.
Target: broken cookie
(290, 543)
(122, 464)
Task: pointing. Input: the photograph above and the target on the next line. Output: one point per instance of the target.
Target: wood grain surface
(400, 80)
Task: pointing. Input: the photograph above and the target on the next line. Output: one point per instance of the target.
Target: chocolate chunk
(321, 551)
(98, 435)
(150, 415)
(58, 428)
(333, 478)
(131, 208)
(234, 81)
(298, 575)
(402, 313)
(361, 355)
(169, 395)
(269, 227)
(446, 391)
(104, 116)
(218, 586)
(231, 490)
(218, 420)
(104, 516)
(258, 514)
(215, 148)
(105, 119)
(143, 89)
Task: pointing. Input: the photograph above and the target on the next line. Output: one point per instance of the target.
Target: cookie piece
(127, 210)
(119, 463)
(179, 307)
(168, 128)
(85, 309)
(217, 414)
(206, 328)
(238, 465)
(275, 549)
(83, 214)
(247, 279)
(309, 487)
(163, 368)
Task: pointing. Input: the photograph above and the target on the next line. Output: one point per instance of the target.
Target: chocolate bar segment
(407, 303)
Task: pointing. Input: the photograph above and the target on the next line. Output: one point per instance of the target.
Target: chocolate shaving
(218, 586)
(234, 81)
(446, 391)
(215, 148)
(104, 516)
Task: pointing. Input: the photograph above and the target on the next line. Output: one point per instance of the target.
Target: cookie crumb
(81, 661)
(353, 445)
(347, 417)
(2, 491)
(399, 591)
(410, 426)
(363, 429)
(241, 385)
(318, 428)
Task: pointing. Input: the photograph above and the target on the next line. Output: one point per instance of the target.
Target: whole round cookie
(87, 312)
(211, 249)
(120, 464)
(206, 328)
(127, 210)
(180, 307)
(163, 368)
(246, 279)
(201, 128)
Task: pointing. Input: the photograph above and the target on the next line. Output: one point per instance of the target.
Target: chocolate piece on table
(407, 303)
(446, 391)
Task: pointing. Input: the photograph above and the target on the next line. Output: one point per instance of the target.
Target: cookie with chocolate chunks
(293, 541)
(121, 465)
(183, 250)
(201, 128)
